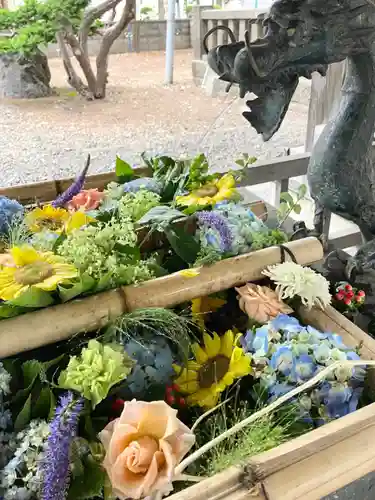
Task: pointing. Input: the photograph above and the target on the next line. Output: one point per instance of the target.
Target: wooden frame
(59, 322)
(310, 466)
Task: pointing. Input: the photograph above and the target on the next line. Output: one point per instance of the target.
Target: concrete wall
(140, 36)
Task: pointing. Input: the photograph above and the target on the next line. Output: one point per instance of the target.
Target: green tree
(69, 23)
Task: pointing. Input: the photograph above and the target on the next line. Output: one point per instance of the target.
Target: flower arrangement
(348, 299)
(136, 229)
(118, 416)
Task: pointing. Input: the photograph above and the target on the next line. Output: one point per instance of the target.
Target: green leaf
(123, 170)
(42, 406)
(302, 191)
(282, 210)
(31, 369)
(85, 284)
(24, 416)
(48, 364)
(184, 244)
(9, 311)
(62, 237)
(161, 214)
(287, 197)
(89, 484)
(192, 209)
(132, 254)
(52, 406)
(240, 163)
(34, 297)
(297, 209)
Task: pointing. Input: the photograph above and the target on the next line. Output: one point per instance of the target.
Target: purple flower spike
(55, 465)
(73, 189)
(216, 221)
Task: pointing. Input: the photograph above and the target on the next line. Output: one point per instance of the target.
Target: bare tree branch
(90, 16)
(112, 18)
(83, 60)
(73, 79)
(110, 35)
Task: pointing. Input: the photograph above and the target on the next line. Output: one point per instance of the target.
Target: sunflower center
(213, 371)
(33, 273)
(206, 191)
(50, 224)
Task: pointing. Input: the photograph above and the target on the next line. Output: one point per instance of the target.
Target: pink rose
(261, 303)
(88, 199)
(143, 447)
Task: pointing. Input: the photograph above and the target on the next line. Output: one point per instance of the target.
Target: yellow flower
(189, 273)
(55, 220)
(43, 271)
(205, 305)
(216, 366)
(209, 194)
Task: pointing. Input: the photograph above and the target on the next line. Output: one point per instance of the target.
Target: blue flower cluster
(287, 354)
(9, 209)
(229, 228)
(143, 183)
(154, 359)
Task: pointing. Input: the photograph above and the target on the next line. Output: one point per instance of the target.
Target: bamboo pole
(62, 321)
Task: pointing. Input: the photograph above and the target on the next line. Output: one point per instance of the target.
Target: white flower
(4, 380)
(292, 279)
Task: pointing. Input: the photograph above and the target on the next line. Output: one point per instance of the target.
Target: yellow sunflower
(221, 189)
(55, 220)
(202, 306)
(216, 366)
(44, 271)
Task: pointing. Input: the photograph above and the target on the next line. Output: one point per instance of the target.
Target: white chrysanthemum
(292, 279)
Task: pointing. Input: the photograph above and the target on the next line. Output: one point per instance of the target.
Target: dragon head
(301, 36)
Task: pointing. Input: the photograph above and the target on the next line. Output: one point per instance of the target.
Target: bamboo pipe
(62, 321)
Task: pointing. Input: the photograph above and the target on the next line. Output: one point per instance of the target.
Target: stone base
(24, 77)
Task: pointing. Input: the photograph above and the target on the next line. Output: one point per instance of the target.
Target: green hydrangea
(96, 370)
(107, 251)
(136, 205)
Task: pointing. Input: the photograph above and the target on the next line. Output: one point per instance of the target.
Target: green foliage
(135, 206)
(33, 397)
(35, 23)
(289, 204)
(246, 159)
(177, 176)
(268, 239)
(262, 435)
(146, 12)
(208, 256)
(184, 244)
(88, 476)
(124, 171)
(157, 321)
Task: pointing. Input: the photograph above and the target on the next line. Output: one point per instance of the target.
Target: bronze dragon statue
(303, 36)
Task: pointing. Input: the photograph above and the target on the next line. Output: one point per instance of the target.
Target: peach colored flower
(88, 199)
(143, 447)
(6, 260)
(261, 303)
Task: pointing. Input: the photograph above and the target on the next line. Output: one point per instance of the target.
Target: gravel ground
(50, 138)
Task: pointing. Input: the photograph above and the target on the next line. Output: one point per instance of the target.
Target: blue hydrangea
(293, 354)
(234, 227)
(9, 209)
(142, 183)
(154, 359)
